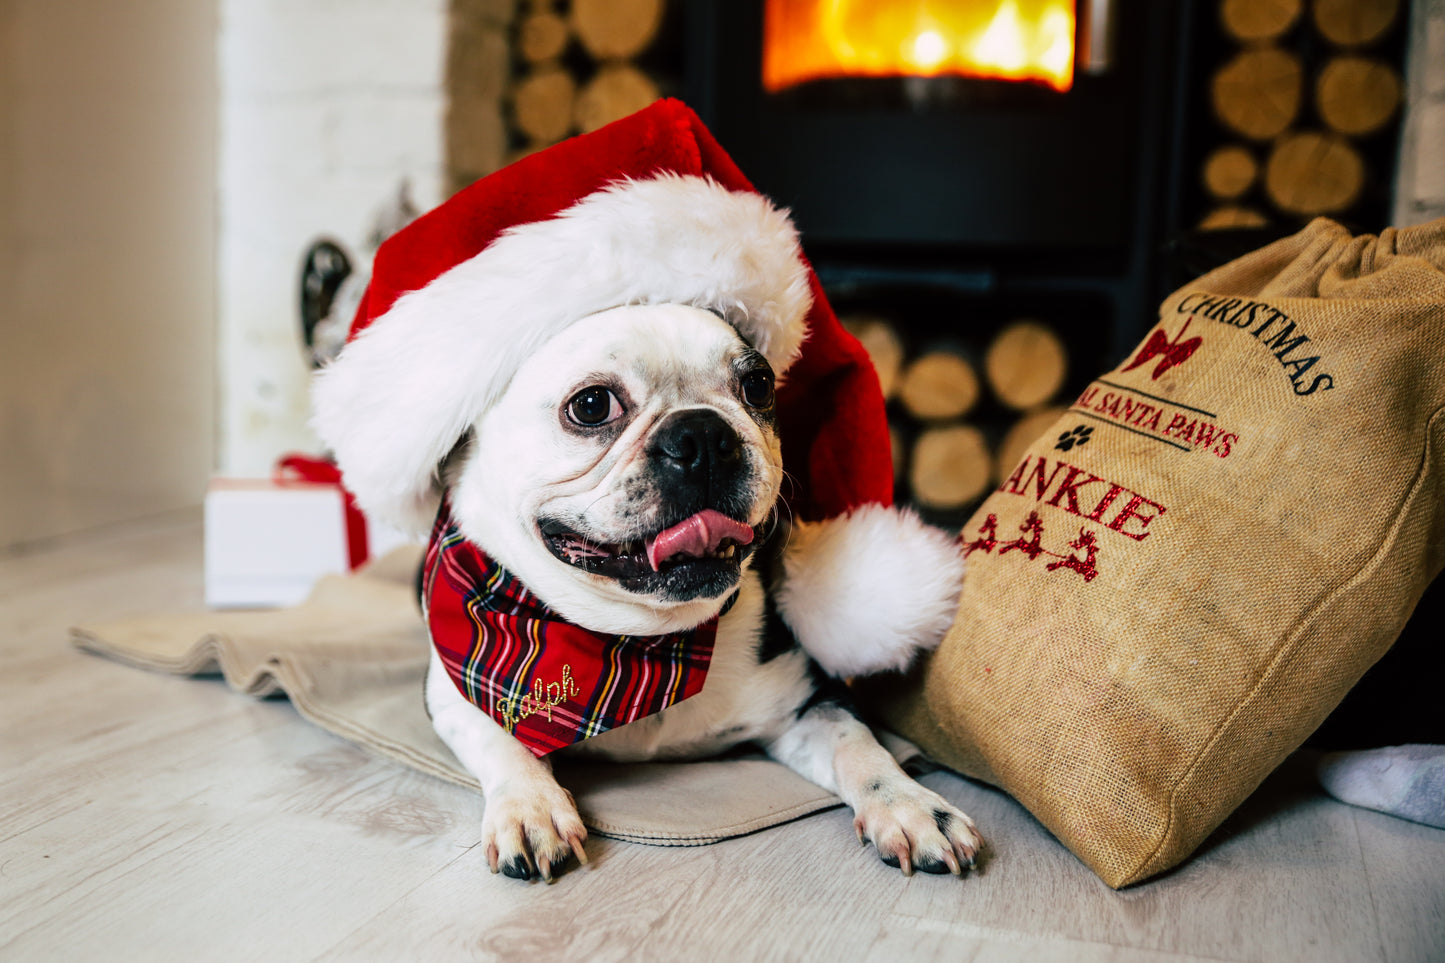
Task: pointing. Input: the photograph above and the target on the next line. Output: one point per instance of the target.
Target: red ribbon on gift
(306, 468)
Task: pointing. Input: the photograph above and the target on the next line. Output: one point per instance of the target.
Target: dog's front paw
(915, 828)
(532, 832)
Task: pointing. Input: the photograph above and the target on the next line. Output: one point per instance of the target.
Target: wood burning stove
(1047, 183)
(953, 197)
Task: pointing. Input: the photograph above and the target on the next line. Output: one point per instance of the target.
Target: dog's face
(626, 472)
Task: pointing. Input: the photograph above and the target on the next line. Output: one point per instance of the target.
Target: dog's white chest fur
(741, 701)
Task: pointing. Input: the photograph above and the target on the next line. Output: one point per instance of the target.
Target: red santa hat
(649, 209)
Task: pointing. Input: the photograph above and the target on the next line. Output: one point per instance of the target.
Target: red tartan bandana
(546, 681)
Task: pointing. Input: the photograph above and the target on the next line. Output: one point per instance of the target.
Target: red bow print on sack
(1174, 352)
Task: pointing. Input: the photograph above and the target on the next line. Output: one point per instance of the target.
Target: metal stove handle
(1096, 36)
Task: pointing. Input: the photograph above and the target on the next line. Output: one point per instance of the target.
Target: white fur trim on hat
(406, 389)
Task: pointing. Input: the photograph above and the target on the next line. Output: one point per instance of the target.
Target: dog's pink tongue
(696, 536)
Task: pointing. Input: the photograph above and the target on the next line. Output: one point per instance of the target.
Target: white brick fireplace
(327, 106)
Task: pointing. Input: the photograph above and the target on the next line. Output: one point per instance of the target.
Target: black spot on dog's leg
(875, 785)
(827, 691)
(777, 639)
(942, 820)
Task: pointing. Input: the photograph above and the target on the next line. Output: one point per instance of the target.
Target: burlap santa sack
(1189, 570)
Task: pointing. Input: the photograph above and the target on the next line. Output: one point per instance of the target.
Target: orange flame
(1029, 40)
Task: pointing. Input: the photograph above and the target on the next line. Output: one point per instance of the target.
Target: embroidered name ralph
(540, 699)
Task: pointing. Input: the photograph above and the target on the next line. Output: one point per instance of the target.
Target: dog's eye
(594, 406)
(757, 388)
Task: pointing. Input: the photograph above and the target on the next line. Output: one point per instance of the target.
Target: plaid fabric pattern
(548, 682)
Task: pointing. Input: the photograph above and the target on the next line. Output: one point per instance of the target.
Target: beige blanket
(352, 659)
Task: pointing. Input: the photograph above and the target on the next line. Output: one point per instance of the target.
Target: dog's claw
(578, 849)
(966, 852)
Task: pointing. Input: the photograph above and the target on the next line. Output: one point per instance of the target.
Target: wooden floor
(147, 817)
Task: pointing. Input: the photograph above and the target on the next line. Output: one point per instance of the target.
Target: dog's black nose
(697, 448)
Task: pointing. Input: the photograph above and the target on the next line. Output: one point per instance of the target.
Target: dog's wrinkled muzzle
(698, 475)
(698, 463)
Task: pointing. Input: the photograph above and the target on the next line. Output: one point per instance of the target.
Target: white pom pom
(866, 591)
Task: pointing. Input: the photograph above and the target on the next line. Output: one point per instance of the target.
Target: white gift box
(267, 542)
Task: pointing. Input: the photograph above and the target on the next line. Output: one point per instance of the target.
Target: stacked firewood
(961, 417)
(1301, 96)
(575, 67)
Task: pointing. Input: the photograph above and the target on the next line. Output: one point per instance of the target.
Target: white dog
(590, 401)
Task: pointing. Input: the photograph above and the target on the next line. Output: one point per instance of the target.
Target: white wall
(326, 105)
(107, 220)
(1420, 188)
